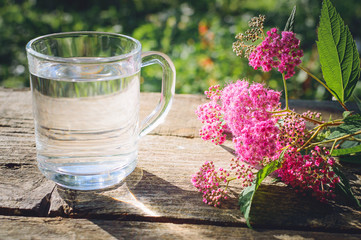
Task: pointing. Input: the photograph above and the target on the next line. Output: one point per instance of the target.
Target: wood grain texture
(23, 189)
(69, 229)
(159, 190)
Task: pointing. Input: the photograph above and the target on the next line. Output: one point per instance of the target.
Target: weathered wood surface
(159, 192)
(68, 229)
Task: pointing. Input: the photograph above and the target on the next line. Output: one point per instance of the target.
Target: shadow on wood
(142, 195)
(274, 206)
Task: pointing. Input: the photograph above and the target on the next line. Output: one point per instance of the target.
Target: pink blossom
(208, 180)
(247, 112)
(310, 172)
(283, 53)
(260, 131)
(210, 114)
(213, 184)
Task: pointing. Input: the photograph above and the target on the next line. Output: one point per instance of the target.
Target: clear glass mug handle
(167, 93)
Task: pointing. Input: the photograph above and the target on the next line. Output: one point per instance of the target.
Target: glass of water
(85, 96)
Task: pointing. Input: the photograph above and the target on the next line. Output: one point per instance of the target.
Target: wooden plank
(181, 120)
(68, 229)
(161, 188)
(23, 188)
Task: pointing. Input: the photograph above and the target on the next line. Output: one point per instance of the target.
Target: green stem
(355, 139)
(285, 88)
(323, 84)
(228, 180)
(310, 139)
(336, 139)
(333, 147)
(281, 111)
(317, 130)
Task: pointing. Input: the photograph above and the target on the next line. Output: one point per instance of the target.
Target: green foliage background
(197, 35)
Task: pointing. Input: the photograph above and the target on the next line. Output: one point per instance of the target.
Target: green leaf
(340, 61)
(345, 114)
(290, 21)
(346, 151)
(344, 187)
(349, 151)
(246, 196)
(351, 125)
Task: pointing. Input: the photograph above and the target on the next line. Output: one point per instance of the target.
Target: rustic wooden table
(157, 201)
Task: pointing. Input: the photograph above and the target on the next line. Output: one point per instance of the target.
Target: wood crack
(45, 204)
(173, 135)
(14, 166)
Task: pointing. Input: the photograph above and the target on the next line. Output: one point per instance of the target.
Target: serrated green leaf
(290, 21)
(246, 196)
(349, 144)
(340, 61)
(354, 119)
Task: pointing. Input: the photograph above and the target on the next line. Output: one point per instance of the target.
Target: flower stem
(336, 139)
(281, 111)
(228, 180)
(317, 130)
(310, 139)
(311, 119)
(323, 84)
(285, 88)
(333, 147)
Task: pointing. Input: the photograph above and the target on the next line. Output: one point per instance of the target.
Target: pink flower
(247, 112)
(213, 184)
(310, 172)
(257, 142)
(210, 114)
(260, 132)
(207, 180)
(276, 52)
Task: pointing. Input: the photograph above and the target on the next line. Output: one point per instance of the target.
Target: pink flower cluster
(208, 181)
(292, 131)
(247, 112)
(260, 131)
(306, 172)
(243, 171)
(283, 53)
(310, 172)
(211, 182)
(210, 114)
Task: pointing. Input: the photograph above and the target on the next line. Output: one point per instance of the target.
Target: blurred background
(197, 35)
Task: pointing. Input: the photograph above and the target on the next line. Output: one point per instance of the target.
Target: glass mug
(85, 96)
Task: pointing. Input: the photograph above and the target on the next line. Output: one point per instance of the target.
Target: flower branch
(265, 135)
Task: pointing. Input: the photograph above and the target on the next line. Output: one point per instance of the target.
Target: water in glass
(86, 123)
